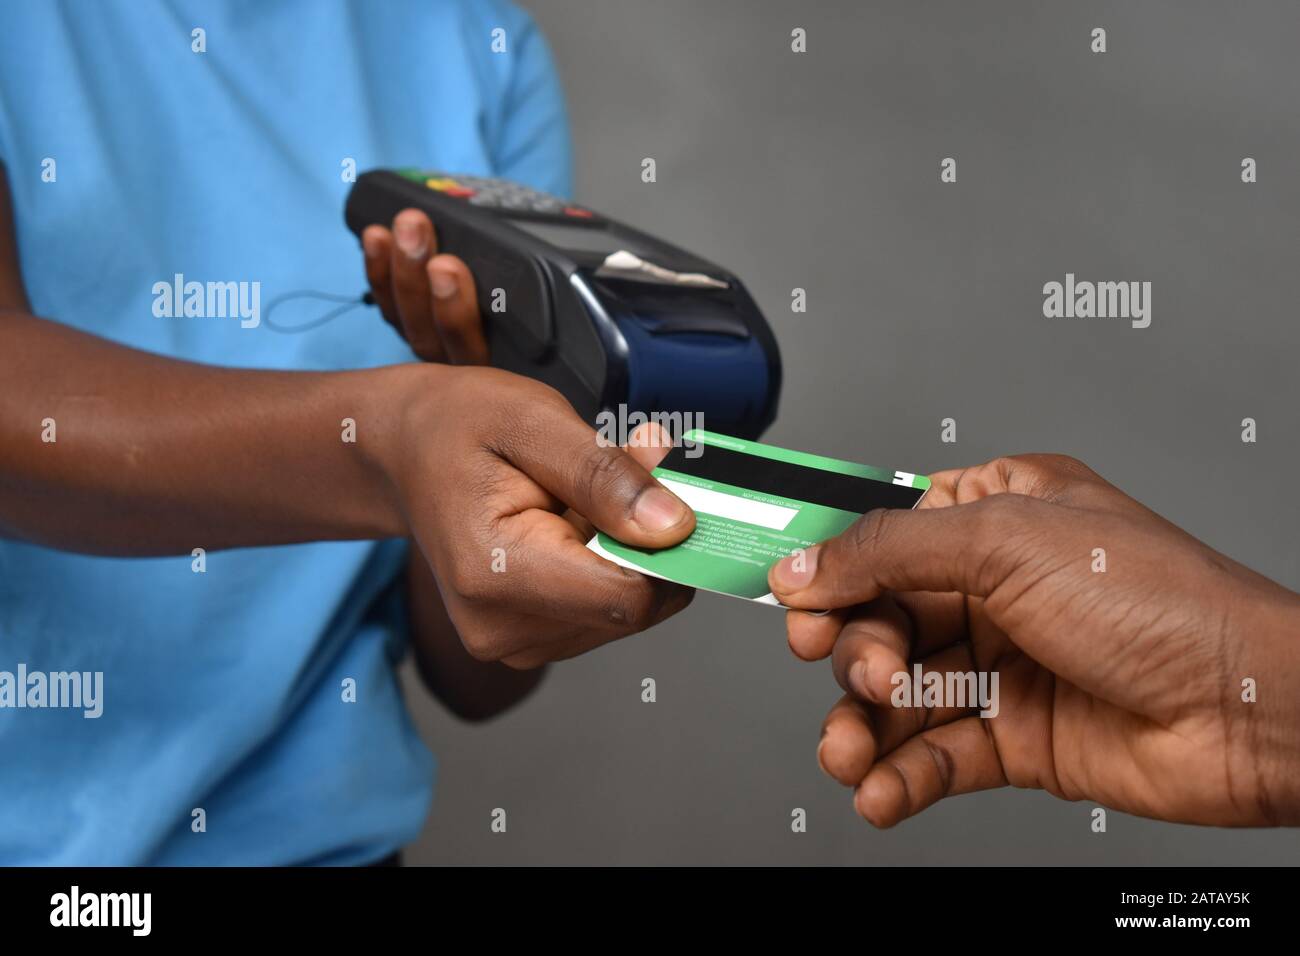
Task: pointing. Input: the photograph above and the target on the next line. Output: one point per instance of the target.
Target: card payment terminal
(606, 314)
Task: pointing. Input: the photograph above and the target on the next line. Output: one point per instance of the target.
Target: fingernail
(408, 238)
(370, 244)
(444, 285)
(866, 796)
(657, 510)
(821, 760)
(878, 673)
(872, 797)
(795, 572)
(858, 679)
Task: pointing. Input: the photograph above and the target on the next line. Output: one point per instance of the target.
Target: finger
(931, 620)
(455, 311)
(939, 619)
(949, 760)
(900, 718)
(377, 247)
(546, 640)
(876, 644)
(1059, 479)
(934, 621)
(413, 243)
(675, 599)
(605, 485)
(853, 737)
(967, 548)
(482, 637)
(812, 636)
(647, 445)
(848, 746)
(540, 567)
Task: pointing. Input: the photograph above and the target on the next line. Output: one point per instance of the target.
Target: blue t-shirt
(131, 159)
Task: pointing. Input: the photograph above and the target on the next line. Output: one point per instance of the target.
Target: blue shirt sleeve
(532, 143)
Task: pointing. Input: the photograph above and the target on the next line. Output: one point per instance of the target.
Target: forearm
(109, 450)
(469, 688)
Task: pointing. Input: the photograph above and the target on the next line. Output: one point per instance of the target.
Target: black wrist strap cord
(345, 304)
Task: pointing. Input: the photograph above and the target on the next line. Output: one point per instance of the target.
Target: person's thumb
(967, 548)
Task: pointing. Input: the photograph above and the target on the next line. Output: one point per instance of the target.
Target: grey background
(821, 170)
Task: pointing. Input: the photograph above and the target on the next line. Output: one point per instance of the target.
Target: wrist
(402, 410)
(1273, 715)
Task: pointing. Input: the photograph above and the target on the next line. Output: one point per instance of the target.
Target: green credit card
(754, 504)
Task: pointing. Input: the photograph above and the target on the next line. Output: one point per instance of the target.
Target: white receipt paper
(626, 265)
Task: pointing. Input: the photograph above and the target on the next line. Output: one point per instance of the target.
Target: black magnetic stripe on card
(770, 476)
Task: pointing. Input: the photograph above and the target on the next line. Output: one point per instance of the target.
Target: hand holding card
(755, 504)
(1131, 685)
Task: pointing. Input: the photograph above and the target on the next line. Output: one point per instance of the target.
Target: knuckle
(486, 484)
(1018, 474)
(528, 410)
(632, 604)
(481, 645)
(1007, 465)
(969, 485)
(944, 765)
(871, 531)
(601, 473)
(628, 613)
(855, 629)
(859, 632)
(1045, 476)
(1067, 464)
(470, 585)
(536, 397)
(1008, 473)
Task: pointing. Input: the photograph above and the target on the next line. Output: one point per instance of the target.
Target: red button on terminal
(577, 213)
(460, 192)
